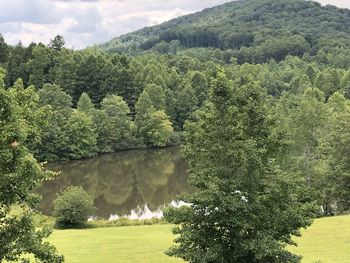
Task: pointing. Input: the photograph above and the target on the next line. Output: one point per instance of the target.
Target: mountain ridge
(241, 24)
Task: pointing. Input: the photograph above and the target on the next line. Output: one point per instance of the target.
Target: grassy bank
(327, 241)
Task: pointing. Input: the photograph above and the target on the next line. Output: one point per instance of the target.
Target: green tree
(35, 115)
(57, 43)
(73, 208)
(186, 103)
(4, 50)
(174, 79)
(144, 107)
(245, 208)
(40, 66)
(117, 132)
(306, 124)
(79, 137)
(17, 64)
(65, 71)
(90, 77)
(199, 84)
(153, 126)
(336, 149)
(84, 104)
(20, 174)
(58, 105)
(157, 129)
(156, 95)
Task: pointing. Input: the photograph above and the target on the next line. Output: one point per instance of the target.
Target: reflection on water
(135, 184)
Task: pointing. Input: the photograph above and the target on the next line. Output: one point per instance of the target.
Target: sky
(87, 22)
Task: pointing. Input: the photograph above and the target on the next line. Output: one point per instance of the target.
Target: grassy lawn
(327, 241)
(136, 244)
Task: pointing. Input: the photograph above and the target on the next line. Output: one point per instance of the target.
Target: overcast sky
(88, 22)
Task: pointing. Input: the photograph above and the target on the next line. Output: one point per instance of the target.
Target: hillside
(251, 28)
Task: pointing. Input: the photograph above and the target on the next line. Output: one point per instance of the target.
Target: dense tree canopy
(255, 30)
(20, 174)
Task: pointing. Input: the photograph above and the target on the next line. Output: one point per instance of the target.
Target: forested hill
(255, 29)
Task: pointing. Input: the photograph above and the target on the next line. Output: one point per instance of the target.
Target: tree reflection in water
(136, 184)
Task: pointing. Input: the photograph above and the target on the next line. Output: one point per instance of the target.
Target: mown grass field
(327, 241)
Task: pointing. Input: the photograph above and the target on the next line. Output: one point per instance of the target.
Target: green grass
(327, 241)
(136, 244)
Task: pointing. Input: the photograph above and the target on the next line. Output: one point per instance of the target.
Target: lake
(135, 184)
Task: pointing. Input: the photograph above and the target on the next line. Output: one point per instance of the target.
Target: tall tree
(57, 43)
(157, 96)
(79, 137)
(40, 66)
(153, 126)
(336, 149)
(20, 174)
(4, 50)
(65, 71)
(58, 104)
(245, 208)
(16, 67)
(117, 132)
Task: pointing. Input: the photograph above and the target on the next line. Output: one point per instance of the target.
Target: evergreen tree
(4, 50)
(57, 43)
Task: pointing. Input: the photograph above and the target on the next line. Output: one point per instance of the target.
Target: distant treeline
(252, 31)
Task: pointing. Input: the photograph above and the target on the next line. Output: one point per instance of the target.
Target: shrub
(73, 208)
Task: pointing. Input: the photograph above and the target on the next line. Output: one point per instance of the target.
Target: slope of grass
(327, 241)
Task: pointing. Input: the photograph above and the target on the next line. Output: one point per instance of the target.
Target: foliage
(73, 208)
(20, 174)
(297, 50)
(245, 209)
(153, 126)
(79, 136)
(117, 132)
(257, 30)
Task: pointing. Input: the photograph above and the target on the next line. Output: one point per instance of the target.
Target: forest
(257, 93)
(89, 102)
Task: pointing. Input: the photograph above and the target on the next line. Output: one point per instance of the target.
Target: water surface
(135, 184)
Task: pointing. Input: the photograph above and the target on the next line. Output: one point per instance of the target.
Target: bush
(73, 208)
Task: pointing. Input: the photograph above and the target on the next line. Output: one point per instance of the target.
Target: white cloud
(88, 22)
(338, 3)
